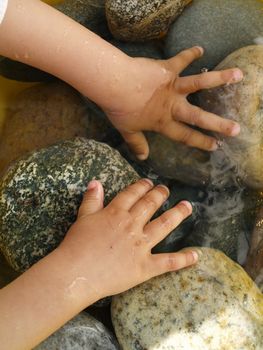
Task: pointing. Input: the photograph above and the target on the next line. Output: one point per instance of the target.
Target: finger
(92, 199)
(148, 204)
(131, 194)
(191, 84)
(196, 116)
(159, 228)
(137, 144)
(179, 62)
(181, 133)
(162, 263)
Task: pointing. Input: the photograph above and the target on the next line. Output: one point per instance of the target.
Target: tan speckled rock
(43, 115)
(139, 20)
(242, 102)
(213, 305)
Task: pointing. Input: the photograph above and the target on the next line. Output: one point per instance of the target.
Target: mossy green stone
(40, 195)
(83, 332)
(211, 305)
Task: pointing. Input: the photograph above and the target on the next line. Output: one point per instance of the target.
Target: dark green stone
(40, 195)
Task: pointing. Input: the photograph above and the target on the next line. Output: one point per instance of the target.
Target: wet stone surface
(220, 26)
(41, 193)
(243, 103)
(213, 305)
(81, 333)
(142, 20)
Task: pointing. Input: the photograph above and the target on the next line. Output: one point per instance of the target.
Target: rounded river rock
(81, 333)
(242, 102)
(220, 26)
(140, 20)
(212, 305)
(40, 195)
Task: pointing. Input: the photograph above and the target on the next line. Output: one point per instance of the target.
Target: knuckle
(171, 263)
(196, 83)
(166, 222)
(195, 115)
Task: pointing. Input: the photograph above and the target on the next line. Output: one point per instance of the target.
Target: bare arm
(137, 94)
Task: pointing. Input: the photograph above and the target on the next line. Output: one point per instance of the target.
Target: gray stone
(177, 161)
(46, 114)
(220, 26)
(242, 102)
(140, 20)
(212, 305)
(41, 193)
(81, 333)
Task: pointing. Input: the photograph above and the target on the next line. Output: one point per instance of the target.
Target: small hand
(159, 103)
(111, 247)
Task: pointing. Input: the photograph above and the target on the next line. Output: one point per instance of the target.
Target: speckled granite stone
(213, 305)
(43, 115)
(81, 333)
(220, 26)
(242, 102)
(7, 274)
(140, 20)
(40, 195)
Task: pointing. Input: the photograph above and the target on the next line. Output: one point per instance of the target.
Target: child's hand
(157, 101)
(110, 248)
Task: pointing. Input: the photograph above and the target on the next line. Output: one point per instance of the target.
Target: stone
(7, 274)
(40, 195)
(254, 262)
(19, 71)
(147, 49)
(81, 333)
(220, 26)
(141, 20)
(43, 115)
(212, 305)
(176, 161)
(242, 102)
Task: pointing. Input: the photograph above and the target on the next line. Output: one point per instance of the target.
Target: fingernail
(195, 256)
(200, 48)
(214, 146)
(235, 129)
(92, 185)
(142, 156)
(149, 181)
(237, 75)
(188, 205)
(166, 189)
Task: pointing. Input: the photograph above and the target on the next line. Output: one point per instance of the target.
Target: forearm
(35, 33)
(41, 300)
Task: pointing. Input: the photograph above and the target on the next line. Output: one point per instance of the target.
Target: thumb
(92, 200)
(137, 144)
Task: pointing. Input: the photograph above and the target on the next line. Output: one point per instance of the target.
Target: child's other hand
(110, 247)
(157, 101)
